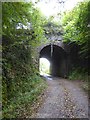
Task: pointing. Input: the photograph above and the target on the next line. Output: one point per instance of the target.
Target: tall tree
(76, 27)
(22, 32)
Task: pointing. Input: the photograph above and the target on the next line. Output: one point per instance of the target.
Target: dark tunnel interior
(58, 60)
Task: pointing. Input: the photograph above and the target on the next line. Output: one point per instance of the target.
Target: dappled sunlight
(44, 66)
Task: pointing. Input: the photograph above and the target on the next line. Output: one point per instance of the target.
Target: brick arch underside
(58, 60)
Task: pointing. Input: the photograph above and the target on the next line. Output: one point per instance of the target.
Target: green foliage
(75, 25)
(53, 31)
(21, 103)
(78, 74)
(21, 33)
(82, 75)
(24, 16)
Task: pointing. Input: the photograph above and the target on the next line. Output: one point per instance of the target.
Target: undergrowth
(78, 74)
(82, 75)
(21, 103)
(0, 96)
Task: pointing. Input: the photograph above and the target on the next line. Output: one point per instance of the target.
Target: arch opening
(44, 66)
(58, 60)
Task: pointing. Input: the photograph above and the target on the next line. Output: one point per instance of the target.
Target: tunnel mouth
(44, 67)
(58, 60)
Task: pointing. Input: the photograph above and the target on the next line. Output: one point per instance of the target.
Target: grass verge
(21, 106)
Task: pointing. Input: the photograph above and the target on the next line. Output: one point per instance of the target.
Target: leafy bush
(21, 33)
(78, 74)
(75, 26)
(31, 89)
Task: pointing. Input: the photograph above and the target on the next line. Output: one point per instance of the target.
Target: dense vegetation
(22, 33)
(23, 30)
(77, 30)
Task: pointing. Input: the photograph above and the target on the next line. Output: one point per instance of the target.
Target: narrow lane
(65, 99)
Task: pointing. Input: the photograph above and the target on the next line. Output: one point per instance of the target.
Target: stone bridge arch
(58, 60)
(57, 43)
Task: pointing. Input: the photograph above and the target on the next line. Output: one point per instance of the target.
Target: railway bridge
(58, 55)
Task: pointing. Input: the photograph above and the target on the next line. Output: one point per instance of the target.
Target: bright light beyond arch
(53, 7)
(44, 66)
